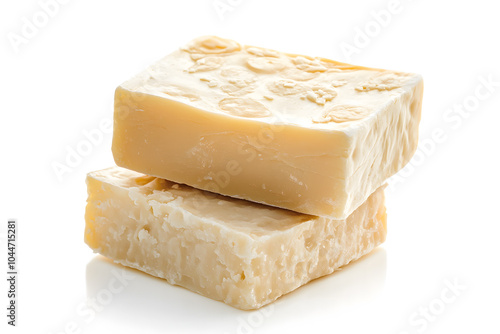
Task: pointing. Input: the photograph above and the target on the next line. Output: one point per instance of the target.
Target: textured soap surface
(307, 134)
(242, 253)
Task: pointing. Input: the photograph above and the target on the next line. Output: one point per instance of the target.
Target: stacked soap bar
(245, 254)
(306, 134)
(273, 132)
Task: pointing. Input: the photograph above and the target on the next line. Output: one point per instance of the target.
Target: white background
(444, 223)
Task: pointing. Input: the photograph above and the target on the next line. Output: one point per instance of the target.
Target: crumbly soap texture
(306, 134)
(245, 172)
(242, 253)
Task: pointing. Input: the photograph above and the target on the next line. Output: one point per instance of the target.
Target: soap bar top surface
(221, 76)
(249, 218)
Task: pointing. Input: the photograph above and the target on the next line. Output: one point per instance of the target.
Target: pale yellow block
(307, 134)
(242, 253)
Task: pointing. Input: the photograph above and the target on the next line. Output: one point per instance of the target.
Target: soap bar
(242, 253)
(307, 134)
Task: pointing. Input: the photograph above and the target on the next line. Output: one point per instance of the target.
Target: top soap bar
(301, 133)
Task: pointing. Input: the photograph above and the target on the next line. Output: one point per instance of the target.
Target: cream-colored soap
(239, 252)
(307, 134)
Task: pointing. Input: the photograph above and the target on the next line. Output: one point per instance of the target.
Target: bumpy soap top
(222, 76)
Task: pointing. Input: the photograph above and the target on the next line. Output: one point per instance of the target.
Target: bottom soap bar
(242, 253)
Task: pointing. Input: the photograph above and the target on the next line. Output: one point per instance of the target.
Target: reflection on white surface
(128, 298)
